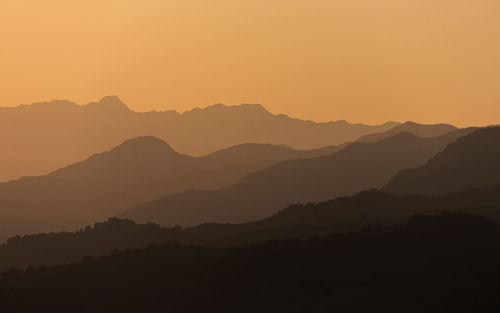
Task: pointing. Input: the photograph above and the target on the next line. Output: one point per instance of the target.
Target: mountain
(344, 214)
(472, 161)
(359, 166)
(420, 130)
(442, 263)
(39, 138)
(138, 170)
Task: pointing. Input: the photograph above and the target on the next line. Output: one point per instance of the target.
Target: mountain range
(405, 219)
(40, 138)
(136, 171)
(421, 130)
(358, 166)
(344, 214)
(441, 263)
(471, 162)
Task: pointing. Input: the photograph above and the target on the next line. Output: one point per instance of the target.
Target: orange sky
(360, 60)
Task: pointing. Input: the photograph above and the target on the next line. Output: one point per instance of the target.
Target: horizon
(358, 61)
(238, 105)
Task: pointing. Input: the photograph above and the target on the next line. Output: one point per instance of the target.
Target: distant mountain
(359, 166)
(344, 214)
(138, 170)
(39, 138)
(420, 130)
(472, 161)
(442, 263)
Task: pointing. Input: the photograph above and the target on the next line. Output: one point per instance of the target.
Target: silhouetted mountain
(139, 170)
(443, 263)
(472, 161)
(359, 166)
(40, 138)
(345, 214)
(421, 130)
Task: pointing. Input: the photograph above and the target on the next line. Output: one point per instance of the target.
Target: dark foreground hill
(443, 263)
(359, 166)
(139, 170)
(344, 214)
(39, 138)
(470, 162)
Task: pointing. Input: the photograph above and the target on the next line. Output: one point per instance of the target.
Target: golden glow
(360, 60)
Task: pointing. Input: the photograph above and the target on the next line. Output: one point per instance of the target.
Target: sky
(359, 60)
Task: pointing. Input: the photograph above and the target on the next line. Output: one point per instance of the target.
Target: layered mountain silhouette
(344, 214)
(39, 138)
(138, 170)
(421, 130)
(472, 161)
(359, 166)
(443, 263)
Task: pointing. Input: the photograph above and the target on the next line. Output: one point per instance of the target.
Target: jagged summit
(56, 103)
(108, 102)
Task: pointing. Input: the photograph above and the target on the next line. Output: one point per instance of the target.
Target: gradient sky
(360, 60)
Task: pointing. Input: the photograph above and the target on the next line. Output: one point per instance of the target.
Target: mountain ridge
(61, 132)
(344, 214)
(136, 171)
(421, 130)
(471, 161)
(450, 260)
(261, 193)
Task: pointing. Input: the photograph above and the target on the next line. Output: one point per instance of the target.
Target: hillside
(443, 263)
(470, 162)
(345, 214)
(138, 170)
(359, 166)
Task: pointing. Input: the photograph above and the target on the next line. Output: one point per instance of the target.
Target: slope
(357, 167)
(471, 161)
(139, 170)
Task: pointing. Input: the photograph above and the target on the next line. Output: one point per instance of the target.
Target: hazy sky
(360, 60)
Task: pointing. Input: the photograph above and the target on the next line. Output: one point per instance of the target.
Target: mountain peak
(110, 99)
(109, 102)
(145, 143)
(256, 106)
(409, 124)
(222, 108)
